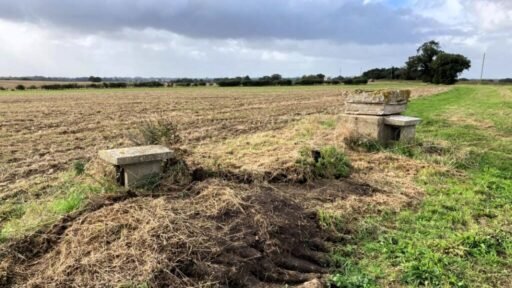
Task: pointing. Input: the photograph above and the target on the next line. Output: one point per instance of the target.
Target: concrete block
(375, 127)
(400, 120)
(138, 164)
(374, 108)
(133, 155)
(378, 102)
(385, 96)
(368, 126)
(407, 134)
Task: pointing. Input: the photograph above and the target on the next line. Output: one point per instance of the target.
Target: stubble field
(42, 133)
(245, 218)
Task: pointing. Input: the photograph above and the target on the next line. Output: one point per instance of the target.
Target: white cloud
(54, 49)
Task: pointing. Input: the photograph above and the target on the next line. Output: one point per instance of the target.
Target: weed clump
(79, 168)
(161, 131)
(328, 162)
(358, 142)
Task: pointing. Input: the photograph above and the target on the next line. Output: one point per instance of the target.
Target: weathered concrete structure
(137, 164)
(375, 115)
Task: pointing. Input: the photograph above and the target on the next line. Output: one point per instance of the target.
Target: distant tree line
(246, 81)
(430, 65)
(83, 86)
(278, 80)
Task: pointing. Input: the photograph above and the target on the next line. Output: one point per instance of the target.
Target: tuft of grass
(331, 221)
(328, 123)
(69, 203)
(359, 142)
(79, 167)
(159, 131)
(328, 162)
(351, 276)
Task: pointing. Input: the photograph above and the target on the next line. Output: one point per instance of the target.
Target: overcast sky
(210, 38)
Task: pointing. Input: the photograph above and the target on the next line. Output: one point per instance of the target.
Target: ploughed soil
(42, 132)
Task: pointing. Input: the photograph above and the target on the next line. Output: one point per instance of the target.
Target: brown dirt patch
(222, 234)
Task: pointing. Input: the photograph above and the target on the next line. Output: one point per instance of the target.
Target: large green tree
(433, 65)
(420, 65)
(447, 67)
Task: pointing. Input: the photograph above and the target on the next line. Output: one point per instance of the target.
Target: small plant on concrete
(161, 131)
(328, 162)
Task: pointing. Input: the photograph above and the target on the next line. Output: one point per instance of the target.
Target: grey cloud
(340, 21)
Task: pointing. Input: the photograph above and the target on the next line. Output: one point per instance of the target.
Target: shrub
(71, 86)
(355, 81)
(501, 81)
(162, 131)
(328, 162)
(348, 81)
(32, 87)
(95, 86)
(2, 88)
(285, 82)
(149, 84)
(20, 87)
(229, 82)
(311, 80)
(51, 87)
(115, 85)
(257, 83)
(61, 86)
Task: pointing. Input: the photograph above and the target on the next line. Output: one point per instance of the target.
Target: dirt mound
(216, 234)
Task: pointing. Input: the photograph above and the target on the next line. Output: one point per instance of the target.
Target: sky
(215, 38)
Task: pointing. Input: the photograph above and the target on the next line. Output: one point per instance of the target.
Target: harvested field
(243, 218)
(43, 132)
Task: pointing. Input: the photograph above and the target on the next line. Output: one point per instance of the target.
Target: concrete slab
(134, 155)
(380, 109)
(400, 120)
(383, 96)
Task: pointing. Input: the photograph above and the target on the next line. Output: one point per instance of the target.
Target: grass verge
(461, 234)
(69, 194)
